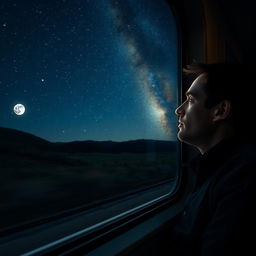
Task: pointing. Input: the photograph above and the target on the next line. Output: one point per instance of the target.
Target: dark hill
(7, 134)
(14, 140)
(133, 146)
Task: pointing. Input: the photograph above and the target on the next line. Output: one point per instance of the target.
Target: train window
(88, 91)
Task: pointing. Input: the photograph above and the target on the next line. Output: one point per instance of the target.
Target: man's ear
(222, 110)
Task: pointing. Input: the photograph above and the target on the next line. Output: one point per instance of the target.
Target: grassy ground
(37, 184)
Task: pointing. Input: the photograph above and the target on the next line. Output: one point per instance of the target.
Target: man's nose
(179, 110)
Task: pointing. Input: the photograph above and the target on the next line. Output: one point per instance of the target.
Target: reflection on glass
(87, 97)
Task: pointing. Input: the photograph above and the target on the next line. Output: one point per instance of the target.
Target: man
(219, 216)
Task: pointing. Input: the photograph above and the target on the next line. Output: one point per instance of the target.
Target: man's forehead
(197, 87)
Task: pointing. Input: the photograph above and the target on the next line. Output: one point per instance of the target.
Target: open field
(36, 184)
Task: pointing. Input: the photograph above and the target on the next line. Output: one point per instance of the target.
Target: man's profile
(216, 118)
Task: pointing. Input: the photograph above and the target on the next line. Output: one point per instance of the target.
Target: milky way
(154, 81)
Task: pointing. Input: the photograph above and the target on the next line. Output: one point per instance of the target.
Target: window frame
(104, 234)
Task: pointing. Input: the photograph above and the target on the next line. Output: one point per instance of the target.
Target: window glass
(88, 91)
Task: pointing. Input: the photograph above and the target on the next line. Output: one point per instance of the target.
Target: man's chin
(185, 139)
(182, 137)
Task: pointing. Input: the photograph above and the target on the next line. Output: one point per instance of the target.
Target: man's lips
(180, 124)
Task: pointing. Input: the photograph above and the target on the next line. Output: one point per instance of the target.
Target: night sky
(89, 70)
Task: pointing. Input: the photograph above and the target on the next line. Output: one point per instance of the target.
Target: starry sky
(89, 69)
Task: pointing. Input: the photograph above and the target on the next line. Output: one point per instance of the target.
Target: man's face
(195, 120)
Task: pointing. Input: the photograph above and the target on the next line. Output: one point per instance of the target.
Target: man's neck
(216, 139)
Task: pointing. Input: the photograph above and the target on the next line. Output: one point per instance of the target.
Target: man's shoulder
(233, 156)
(244, 154)
(239, 170)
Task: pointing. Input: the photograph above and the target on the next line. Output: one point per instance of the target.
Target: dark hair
(228, 81)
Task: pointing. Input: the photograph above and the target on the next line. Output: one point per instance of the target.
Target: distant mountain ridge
(15, 140)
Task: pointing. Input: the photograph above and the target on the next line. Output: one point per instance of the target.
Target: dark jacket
(219, 216)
